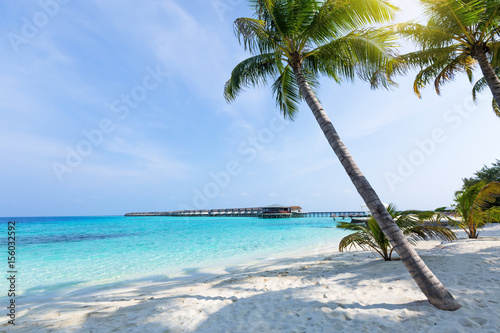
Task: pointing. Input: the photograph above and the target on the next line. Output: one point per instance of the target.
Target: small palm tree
(459, 34)
(293, 42)
(369, 236)
(473, 207)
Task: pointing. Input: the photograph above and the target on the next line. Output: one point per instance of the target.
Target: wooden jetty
(273, 211)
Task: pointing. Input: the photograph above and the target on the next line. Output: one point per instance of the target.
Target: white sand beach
(321, 291)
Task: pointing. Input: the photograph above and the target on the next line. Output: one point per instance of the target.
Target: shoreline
(313, 291)
(84, 251)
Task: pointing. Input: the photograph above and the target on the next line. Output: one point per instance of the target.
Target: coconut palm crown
(459, 35)
(293, 43)
(313, 37)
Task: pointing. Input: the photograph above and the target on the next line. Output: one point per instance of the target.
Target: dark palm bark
(433, 289)
(489, 74)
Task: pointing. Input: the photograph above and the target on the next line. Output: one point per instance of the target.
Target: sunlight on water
(56, 252)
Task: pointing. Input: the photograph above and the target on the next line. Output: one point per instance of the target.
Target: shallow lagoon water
(58, 252)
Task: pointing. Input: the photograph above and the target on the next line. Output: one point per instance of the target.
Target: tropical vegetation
(459, 35)
(474, 209)
(416, 226)
(487, 174)
(293, 43)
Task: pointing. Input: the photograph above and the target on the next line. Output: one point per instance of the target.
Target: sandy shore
(321, 291)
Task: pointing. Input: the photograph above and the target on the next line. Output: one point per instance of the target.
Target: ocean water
(63, 252)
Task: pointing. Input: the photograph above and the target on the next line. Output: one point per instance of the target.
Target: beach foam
(321, 291)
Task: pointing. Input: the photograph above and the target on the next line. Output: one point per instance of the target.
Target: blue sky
(110, 107)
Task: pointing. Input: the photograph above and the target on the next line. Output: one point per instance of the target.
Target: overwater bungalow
(275, 212)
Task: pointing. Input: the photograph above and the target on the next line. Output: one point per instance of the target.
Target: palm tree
(369, 236)
(459, 34)
(294, 42)
(473, 207)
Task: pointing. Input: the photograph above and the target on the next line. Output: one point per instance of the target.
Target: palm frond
(314, 63)
(296, 16)
(360, 240)
(374, 51)
(426, 57)
(425, 36)
(493, 214)
(351, 226)
(487, 195)
(425, 76)
(430, 232)
(264, 10)
(378, 236)
(337, 17)
(443, 70)
(250, 72)
(490, 22)
(353, 14)
(494, 53)
(287, 93)
(365, 52)
(454, 15)
(478, 87)
(495, 107)
(463, 63)
(254, 36)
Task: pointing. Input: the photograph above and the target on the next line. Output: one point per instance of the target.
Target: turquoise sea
(72, 252)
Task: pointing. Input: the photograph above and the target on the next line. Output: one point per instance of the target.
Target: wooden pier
(250, 212)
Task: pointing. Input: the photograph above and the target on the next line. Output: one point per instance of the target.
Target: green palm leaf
(494, 53)
(488, 194)
(462, 63)
(425, 36)
(480, 85)
(250, 72)
(416, 226)
(287, 94)
(254, 36)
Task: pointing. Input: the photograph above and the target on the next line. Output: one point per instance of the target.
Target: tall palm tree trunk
(433, 289)
(489, 75)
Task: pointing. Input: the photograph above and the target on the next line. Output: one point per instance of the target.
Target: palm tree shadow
(238, 302)
(276, 311)
(282, 312)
